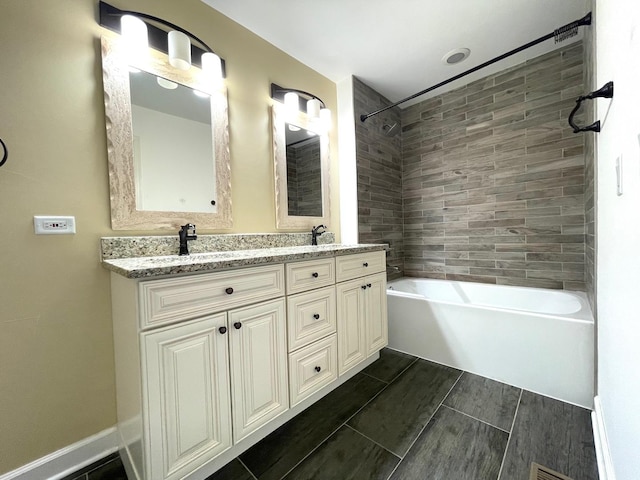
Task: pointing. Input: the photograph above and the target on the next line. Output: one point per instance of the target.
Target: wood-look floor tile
(275, 455)
(82, 473)
(346, 455)
(487, 400)
(395, 417)
(234, 470)
(554, 434)
(114, 470)
(389, 365)
(454, 446)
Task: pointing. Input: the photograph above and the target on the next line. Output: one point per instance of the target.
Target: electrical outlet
(48, 225)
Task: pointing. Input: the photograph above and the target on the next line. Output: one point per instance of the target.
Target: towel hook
(605, 92)
(6, 153)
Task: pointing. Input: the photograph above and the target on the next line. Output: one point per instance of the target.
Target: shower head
(391, 130)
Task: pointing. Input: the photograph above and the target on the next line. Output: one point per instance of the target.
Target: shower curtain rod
(560, 34)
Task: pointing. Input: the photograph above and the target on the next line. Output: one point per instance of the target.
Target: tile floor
(406, 418)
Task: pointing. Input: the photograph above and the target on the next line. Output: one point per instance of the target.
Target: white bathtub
(537, 339)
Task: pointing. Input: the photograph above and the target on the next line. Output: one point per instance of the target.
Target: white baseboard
(69, 459)
(603, 455)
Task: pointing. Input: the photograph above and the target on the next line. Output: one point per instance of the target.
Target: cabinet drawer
(174, 299)
(359, 265)
(311, 316)
(310, 274)
(312, 368)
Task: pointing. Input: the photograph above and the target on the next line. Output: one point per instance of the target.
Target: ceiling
(397, 47)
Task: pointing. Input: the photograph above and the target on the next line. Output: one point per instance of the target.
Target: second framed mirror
(301, 165)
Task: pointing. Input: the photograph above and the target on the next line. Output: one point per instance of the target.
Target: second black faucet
(315, 233)
(187, 232)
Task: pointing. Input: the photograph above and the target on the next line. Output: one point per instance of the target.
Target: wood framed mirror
(167, 144)
(301, 166)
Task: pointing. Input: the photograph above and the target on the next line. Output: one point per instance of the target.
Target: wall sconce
(141, 31)
(296, 100)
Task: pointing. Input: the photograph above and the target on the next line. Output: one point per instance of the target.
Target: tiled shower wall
(590, 168)
(379, 169)
(494, 178)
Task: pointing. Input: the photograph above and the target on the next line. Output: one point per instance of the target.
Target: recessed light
(456, 56)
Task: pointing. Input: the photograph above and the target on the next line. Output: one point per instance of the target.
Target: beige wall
(56, 351)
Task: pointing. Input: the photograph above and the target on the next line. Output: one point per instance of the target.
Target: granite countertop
(148, 267)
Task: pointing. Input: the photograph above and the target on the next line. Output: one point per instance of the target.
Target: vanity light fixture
(296, 100)
(142, 30)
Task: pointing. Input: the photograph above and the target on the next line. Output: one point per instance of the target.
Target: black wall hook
(605, 92)
(5, 154)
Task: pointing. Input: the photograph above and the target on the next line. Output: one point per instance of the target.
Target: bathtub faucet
(187, 232)
(315, 233)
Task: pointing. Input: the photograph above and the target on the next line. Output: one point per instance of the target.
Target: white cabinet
(312, 367)
(258, 365)
(361, 309)
(187, 393)
(205, 363)
(191, 399)
(311, 326)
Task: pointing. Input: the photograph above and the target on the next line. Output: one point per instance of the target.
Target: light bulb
(212, 68)
(313, 108)
(291, 103)
(134, 34)
(325, 119)
(179, 50)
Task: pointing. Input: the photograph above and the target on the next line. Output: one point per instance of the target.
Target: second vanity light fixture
(295, 100)
(139, 30)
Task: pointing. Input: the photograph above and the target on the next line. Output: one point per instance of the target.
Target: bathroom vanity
(215, 351)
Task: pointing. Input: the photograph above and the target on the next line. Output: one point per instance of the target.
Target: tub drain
(539, 472)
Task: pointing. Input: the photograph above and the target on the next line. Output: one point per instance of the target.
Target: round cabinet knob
(365, 264)
(314, 274)
(317, 369)
(369, 285)
(222, 330)
(229, 290)
(213, 202)
(316, 316)
(237, 325)
(364, 287)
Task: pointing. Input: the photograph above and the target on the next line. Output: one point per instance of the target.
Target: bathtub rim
(584, 315)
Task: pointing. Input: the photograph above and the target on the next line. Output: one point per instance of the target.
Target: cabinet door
(259, 380)
(186, 392)
(350, 297)
(376, 312)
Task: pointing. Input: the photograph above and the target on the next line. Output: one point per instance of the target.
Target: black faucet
(315, 233)
(187, 232)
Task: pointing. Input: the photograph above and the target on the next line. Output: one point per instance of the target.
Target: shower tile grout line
(513, 423)
(427, 423)
(477, 419)
(354, 414)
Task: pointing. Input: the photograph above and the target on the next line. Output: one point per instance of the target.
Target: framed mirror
(301, 156)
(167, 143)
